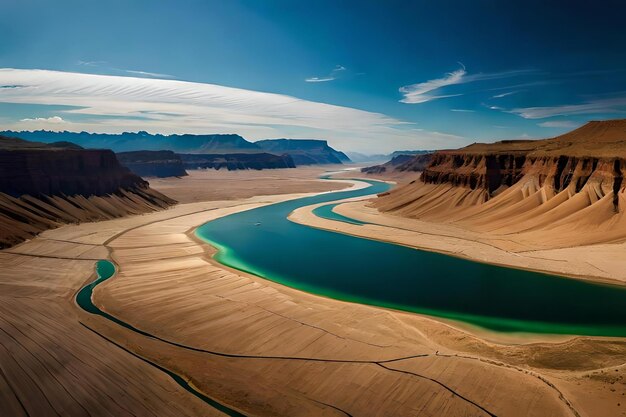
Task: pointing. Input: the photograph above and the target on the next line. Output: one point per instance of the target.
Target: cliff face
(69, 172)
(553, 174)
(153, 163)
(237, 161)
(43, 186)
(401, 163)
(305, 151)
(573, 182)
(473, 171)
(387, 166)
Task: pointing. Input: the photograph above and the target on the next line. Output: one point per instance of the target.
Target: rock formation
(237, 161)
(305, 151)
(401, 163)
(153, 163)
(570, 188)
(43, 186)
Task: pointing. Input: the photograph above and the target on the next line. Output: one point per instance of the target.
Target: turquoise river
(264, 242)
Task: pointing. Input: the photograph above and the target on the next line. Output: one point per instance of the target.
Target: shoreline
(305, 216)
(524, 337)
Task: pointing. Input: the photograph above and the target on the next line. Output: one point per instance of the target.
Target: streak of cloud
(334, 74)
(427, 91)
(114, 104)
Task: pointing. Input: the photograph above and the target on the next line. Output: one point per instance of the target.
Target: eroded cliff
(159, 164)
(401, 163)
(43, 186)
(571, 186)
(237, 161)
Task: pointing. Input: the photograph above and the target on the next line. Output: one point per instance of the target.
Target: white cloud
(149, 74)
(319, 80)
(55, 123)
(505, 94)
(463, 110)
(53, 120)
(419, 93)
(424, 92)
(334, 74)
(614, 105)
(560, 123)
(91, 63)
(114, 104)
(120, 70)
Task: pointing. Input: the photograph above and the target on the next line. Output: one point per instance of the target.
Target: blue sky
(368, 76)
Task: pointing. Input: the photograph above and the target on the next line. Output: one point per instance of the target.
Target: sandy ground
(259, 347)
(395, 177)
(210, 184)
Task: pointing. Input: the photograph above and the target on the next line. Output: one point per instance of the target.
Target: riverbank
(602, 263)
(260, 347)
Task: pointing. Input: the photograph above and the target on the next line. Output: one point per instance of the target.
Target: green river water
(264, 242)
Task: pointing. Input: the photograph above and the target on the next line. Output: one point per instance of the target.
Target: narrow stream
(105, 270)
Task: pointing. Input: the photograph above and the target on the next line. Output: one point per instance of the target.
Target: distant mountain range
(303, 151)
(357, 157)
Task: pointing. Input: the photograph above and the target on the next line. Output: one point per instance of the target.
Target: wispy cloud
(492, 107)
(427, 91)
(319, 80)
(613, 105)
(104, 66)
(560, 124)
(421, 92)
(505, 94)
(91, 63)
(334, 74)
(148, 74)
(463, 110)
(115, 104)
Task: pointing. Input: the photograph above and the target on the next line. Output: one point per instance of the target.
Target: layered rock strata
(571, 186)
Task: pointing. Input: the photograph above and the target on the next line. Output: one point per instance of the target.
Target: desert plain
(263, 349)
